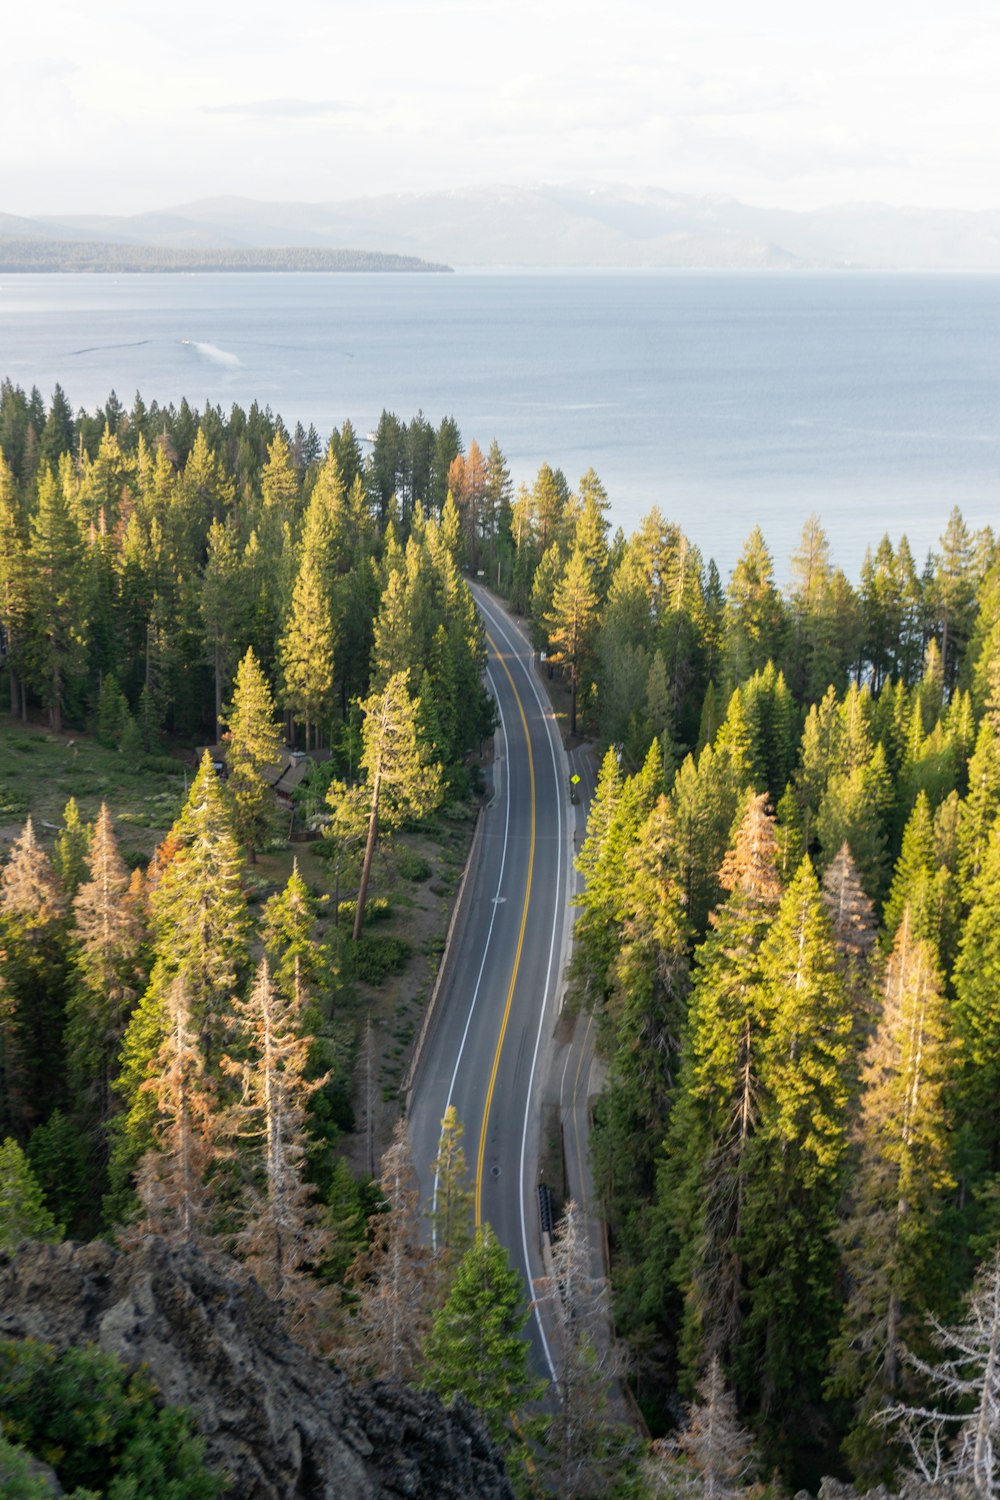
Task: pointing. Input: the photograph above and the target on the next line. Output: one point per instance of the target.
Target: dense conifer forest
(787, 932)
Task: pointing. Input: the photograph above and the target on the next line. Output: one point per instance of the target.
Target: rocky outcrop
(913, 1489)
(281, 1424)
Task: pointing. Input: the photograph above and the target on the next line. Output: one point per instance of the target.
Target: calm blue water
(725, 398)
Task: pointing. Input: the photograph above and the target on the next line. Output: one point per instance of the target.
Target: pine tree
(200, 930)
(920, 883)
(252, 749)
(712, 1456)
(588, 1447)
(794, 1164)
(571, 621)
(890, 1240)
(451, 1211)
(641, 1035)
(754, 621)
(15, 586)
(391, 1275)
(69, 858)
(171, 1180)
(403, 783)
(976, 979)
(952, 593)
(32, 985)
(63, 1166)
(346, 828)
(300, 963)
(23, 1214)
(283, 1235)
(960, 1448)
(854, 810)
(109, 974)
(223, 607)
(347, 1224)
(58, 624)
(852, 923)
(980, 807)
(716, 1114)
(476, 1345)
(307, 652)
(617, 813)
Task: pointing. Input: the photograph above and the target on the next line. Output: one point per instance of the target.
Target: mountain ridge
(558, 226)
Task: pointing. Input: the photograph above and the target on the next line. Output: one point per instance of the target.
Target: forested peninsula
(787, 939)
(20, 255)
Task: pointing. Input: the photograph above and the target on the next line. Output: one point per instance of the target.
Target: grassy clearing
(39, 772)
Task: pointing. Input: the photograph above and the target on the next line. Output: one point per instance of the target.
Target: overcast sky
(121, 107)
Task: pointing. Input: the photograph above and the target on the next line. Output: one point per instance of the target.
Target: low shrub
(98, 1427)
(375, 956)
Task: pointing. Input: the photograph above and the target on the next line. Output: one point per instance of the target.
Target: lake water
(724, 398)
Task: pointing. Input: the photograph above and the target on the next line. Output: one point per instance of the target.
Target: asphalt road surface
(489, 1044)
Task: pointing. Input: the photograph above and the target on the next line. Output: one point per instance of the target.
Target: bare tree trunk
(366, 867)
(218, 695)
(369, 1098)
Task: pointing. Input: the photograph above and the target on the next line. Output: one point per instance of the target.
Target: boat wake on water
(214, 353)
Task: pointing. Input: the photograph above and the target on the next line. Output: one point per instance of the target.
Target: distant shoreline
(19, 256)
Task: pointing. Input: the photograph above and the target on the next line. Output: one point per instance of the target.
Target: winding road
(490, 1044)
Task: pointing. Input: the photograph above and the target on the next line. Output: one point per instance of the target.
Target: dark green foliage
(412, 866)
(476, 1346)
(99, 1427)
(374, 956)
(23, 1213)
(64, 1171)
(20, 1479)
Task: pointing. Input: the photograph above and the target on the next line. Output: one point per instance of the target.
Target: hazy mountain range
(547, 226)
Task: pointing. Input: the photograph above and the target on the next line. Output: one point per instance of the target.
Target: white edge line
(547, 719)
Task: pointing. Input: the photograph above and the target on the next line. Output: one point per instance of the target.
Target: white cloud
(118, 107)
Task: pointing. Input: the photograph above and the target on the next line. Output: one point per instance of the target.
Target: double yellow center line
(520, 942)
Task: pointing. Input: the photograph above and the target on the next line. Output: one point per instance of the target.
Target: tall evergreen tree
(641, 1036)
(452, 1204)
(711, 1130)
(283, 1236)
(392, 1274)
(852, 923)
(891, 1240)
(794, 1171)
(171, 1180)
(712, 1444)
(754, 619)
(32, 985)
(15, 586)
(69, 857)
(476, 1345)
(402, 780)
(58, 623)
(617, 813)
(588, 1448)
(299, 961)
(223, 607)
(200, 932)
(252, 749)
(23, 1214)
(109, 975)
(976, 981)
(307, 652)
(571, 621)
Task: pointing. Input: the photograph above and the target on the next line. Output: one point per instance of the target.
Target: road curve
(490, 1039)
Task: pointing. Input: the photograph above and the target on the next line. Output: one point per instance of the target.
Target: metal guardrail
(545, 1213)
